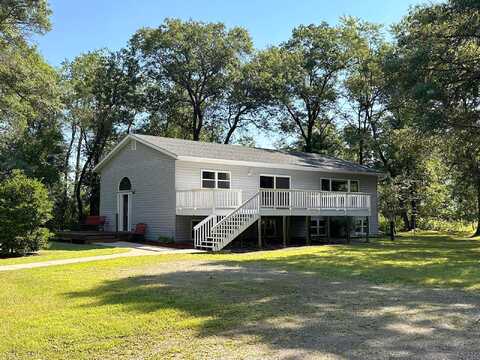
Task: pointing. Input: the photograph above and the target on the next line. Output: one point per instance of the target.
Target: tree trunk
(65, 178)
(404, 216)
(413, 218)
(360, 151)
(78, 192)
(95, 196)
(197, 122)
(77, 167)
(406, 220)
(392, 230)
(477, 232)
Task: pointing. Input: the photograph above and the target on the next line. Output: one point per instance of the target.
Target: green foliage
(165, 239)
(25, 208)
(301, 75)
(449, 227)
(18, 18)
(189, 68)
(439, 63)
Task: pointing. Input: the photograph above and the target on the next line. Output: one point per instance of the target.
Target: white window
(318, 227)
(340, 185)
(361, 226)
(354, 186)
(212, 179)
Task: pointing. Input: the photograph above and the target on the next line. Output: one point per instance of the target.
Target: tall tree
(302, 76)
(364, 88)
(102, 105)
(27, 83)
(187, 65)
(439, 44)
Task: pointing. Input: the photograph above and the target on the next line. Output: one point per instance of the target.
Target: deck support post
(307, 229)
(328, 229)
(259, 227)
(347, 230)
(284, 230)
(367, 235)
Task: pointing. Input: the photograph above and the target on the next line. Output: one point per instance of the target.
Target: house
(212, 194)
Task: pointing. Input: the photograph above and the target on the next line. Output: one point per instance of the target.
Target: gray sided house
(213, 194)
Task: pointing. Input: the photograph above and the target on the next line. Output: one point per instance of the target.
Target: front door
(124, 208)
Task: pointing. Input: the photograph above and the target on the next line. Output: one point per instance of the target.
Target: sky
(85, 25)
(81, 26)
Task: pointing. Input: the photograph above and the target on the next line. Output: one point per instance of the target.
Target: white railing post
(214, 200)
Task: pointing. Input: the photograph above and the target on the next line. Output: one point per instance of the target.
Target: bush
(24, 209)
(165, 239)
(450, 227)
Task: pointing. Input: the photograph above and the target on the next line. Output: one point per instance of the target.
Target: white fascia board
(122, 143)
(153, 146)
(272, 165)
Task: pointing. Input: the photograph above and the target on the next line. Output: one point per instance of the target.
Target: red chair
(93, 222)
(139, 232)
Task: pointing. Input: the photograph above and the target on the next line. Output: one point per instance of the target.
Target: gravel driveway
(291, 315)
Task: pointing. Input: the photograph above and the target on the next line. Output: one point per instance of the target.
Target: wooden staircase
(215, 232)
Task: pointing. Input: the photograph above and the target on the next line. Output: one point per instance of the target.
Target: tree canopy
(403, 100)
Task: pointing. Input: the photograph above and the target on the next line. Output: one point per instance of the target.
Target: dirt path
(135, 250)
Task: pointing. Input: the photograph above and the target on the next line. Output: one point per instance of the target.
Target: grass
(233, 305)
(59, 250)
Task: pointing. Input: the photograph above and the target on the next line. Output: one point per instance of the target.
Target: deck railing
(313, 199)
(209, 199)
(212, 199)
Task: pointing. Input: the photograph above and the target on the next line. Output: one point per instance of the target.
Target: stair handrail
(238, 209)
(204, 223)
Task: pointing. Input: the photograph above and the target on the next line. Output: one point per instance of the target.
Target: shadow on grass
(301, 313)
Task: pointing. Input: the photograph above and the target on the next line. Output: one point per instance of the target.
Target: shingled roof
(188, 150)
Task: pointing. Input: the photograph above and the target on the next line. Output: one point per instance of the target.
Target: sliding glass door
(272, 196)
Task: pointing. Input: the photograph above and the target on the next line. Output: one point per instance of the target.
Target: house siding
(152, 175)
(188, 177)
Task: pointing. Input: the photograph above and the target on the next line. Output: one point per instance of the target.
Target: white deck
(205, 202)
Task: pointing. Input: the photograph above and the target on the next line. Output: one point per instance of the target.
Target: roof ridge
(236, 152)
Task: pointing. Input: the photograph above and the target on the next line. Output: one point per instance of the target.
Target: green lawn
(347, 301)
(59, 250)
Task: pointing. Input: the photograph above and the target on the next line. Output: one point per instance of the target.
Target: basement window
(318, 227)
(361, 226)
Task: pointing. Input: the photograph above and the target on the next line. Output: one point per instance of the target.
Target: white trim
(228, 162)
(364, 223)
(131, 186)
(216, 178)
(350, 185)
(273, 165)
(120, 209)
(317, 220)
(122, 143)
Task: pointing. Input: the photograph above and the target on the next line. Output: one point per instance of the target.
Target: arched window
(125, 184)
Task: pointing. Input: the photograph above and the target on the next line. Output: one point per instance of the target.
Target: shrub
(165, 239)
(24, 209)
(451, 227)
